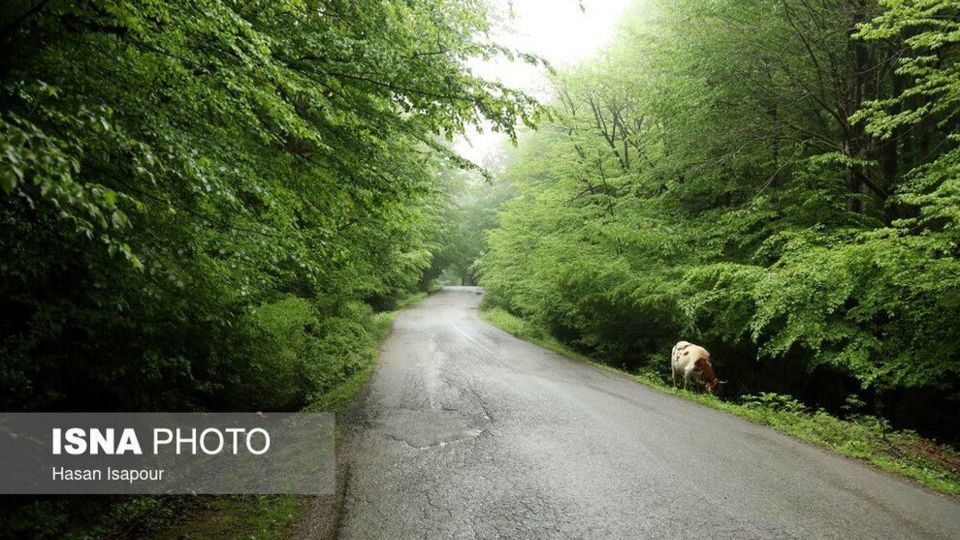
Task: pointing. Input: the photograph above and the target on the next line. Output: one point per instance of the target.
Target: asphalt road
(464, 431)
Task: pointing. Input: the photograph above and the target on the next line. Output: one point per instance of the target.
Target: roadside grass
(242, 516)
(862, 437)
(270, 517)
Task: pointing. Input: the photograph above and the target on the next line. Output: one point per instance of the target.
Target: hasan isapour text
(108, 473)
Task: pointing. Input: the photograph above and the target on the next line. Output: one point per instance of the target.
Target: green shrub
(283, 340)
(293, 352)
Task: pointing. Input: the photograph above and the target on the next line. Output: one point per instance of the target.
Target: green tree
(175, 171)
(774, 180)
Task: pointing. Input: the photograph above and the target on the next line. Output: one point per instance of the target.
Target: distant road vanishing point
(465, 431)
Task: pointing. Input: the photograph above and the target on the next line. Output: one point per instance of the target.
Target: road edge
(321, 519)
(947, 487)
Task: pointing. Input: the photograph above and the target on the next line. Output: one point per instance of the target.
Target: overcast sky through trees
(558, 30)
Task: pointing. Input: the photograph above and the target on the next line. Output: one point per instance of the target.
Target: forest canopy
(778, 181)
(203, 201)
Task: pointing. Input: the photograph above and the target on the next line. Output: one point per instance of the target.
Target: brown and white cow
(693, 362)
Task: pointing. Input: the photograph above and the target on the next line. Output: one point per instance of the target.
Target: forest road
(465, 431)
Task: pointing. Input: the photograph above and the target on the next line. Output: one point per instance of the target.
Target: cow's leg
(686, 380)
(676, 381)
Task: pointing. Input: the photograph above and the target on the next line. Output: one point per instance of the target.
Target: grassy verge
(862, 437)
(242, 516)
(277, 516)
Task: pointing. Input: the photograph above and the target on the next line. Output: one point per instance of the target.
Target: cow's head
(716, 387)
(708, 376)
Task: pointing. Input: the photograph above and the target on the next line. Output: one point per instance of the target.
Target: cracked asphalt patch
(464, 431)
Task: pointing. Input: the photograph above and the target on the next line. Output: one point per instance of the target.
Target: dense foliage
(470, 212)
(203, 200)
(775, 180)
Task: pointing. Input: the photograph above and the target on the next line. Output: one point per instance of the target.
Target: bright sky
(557, 30)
